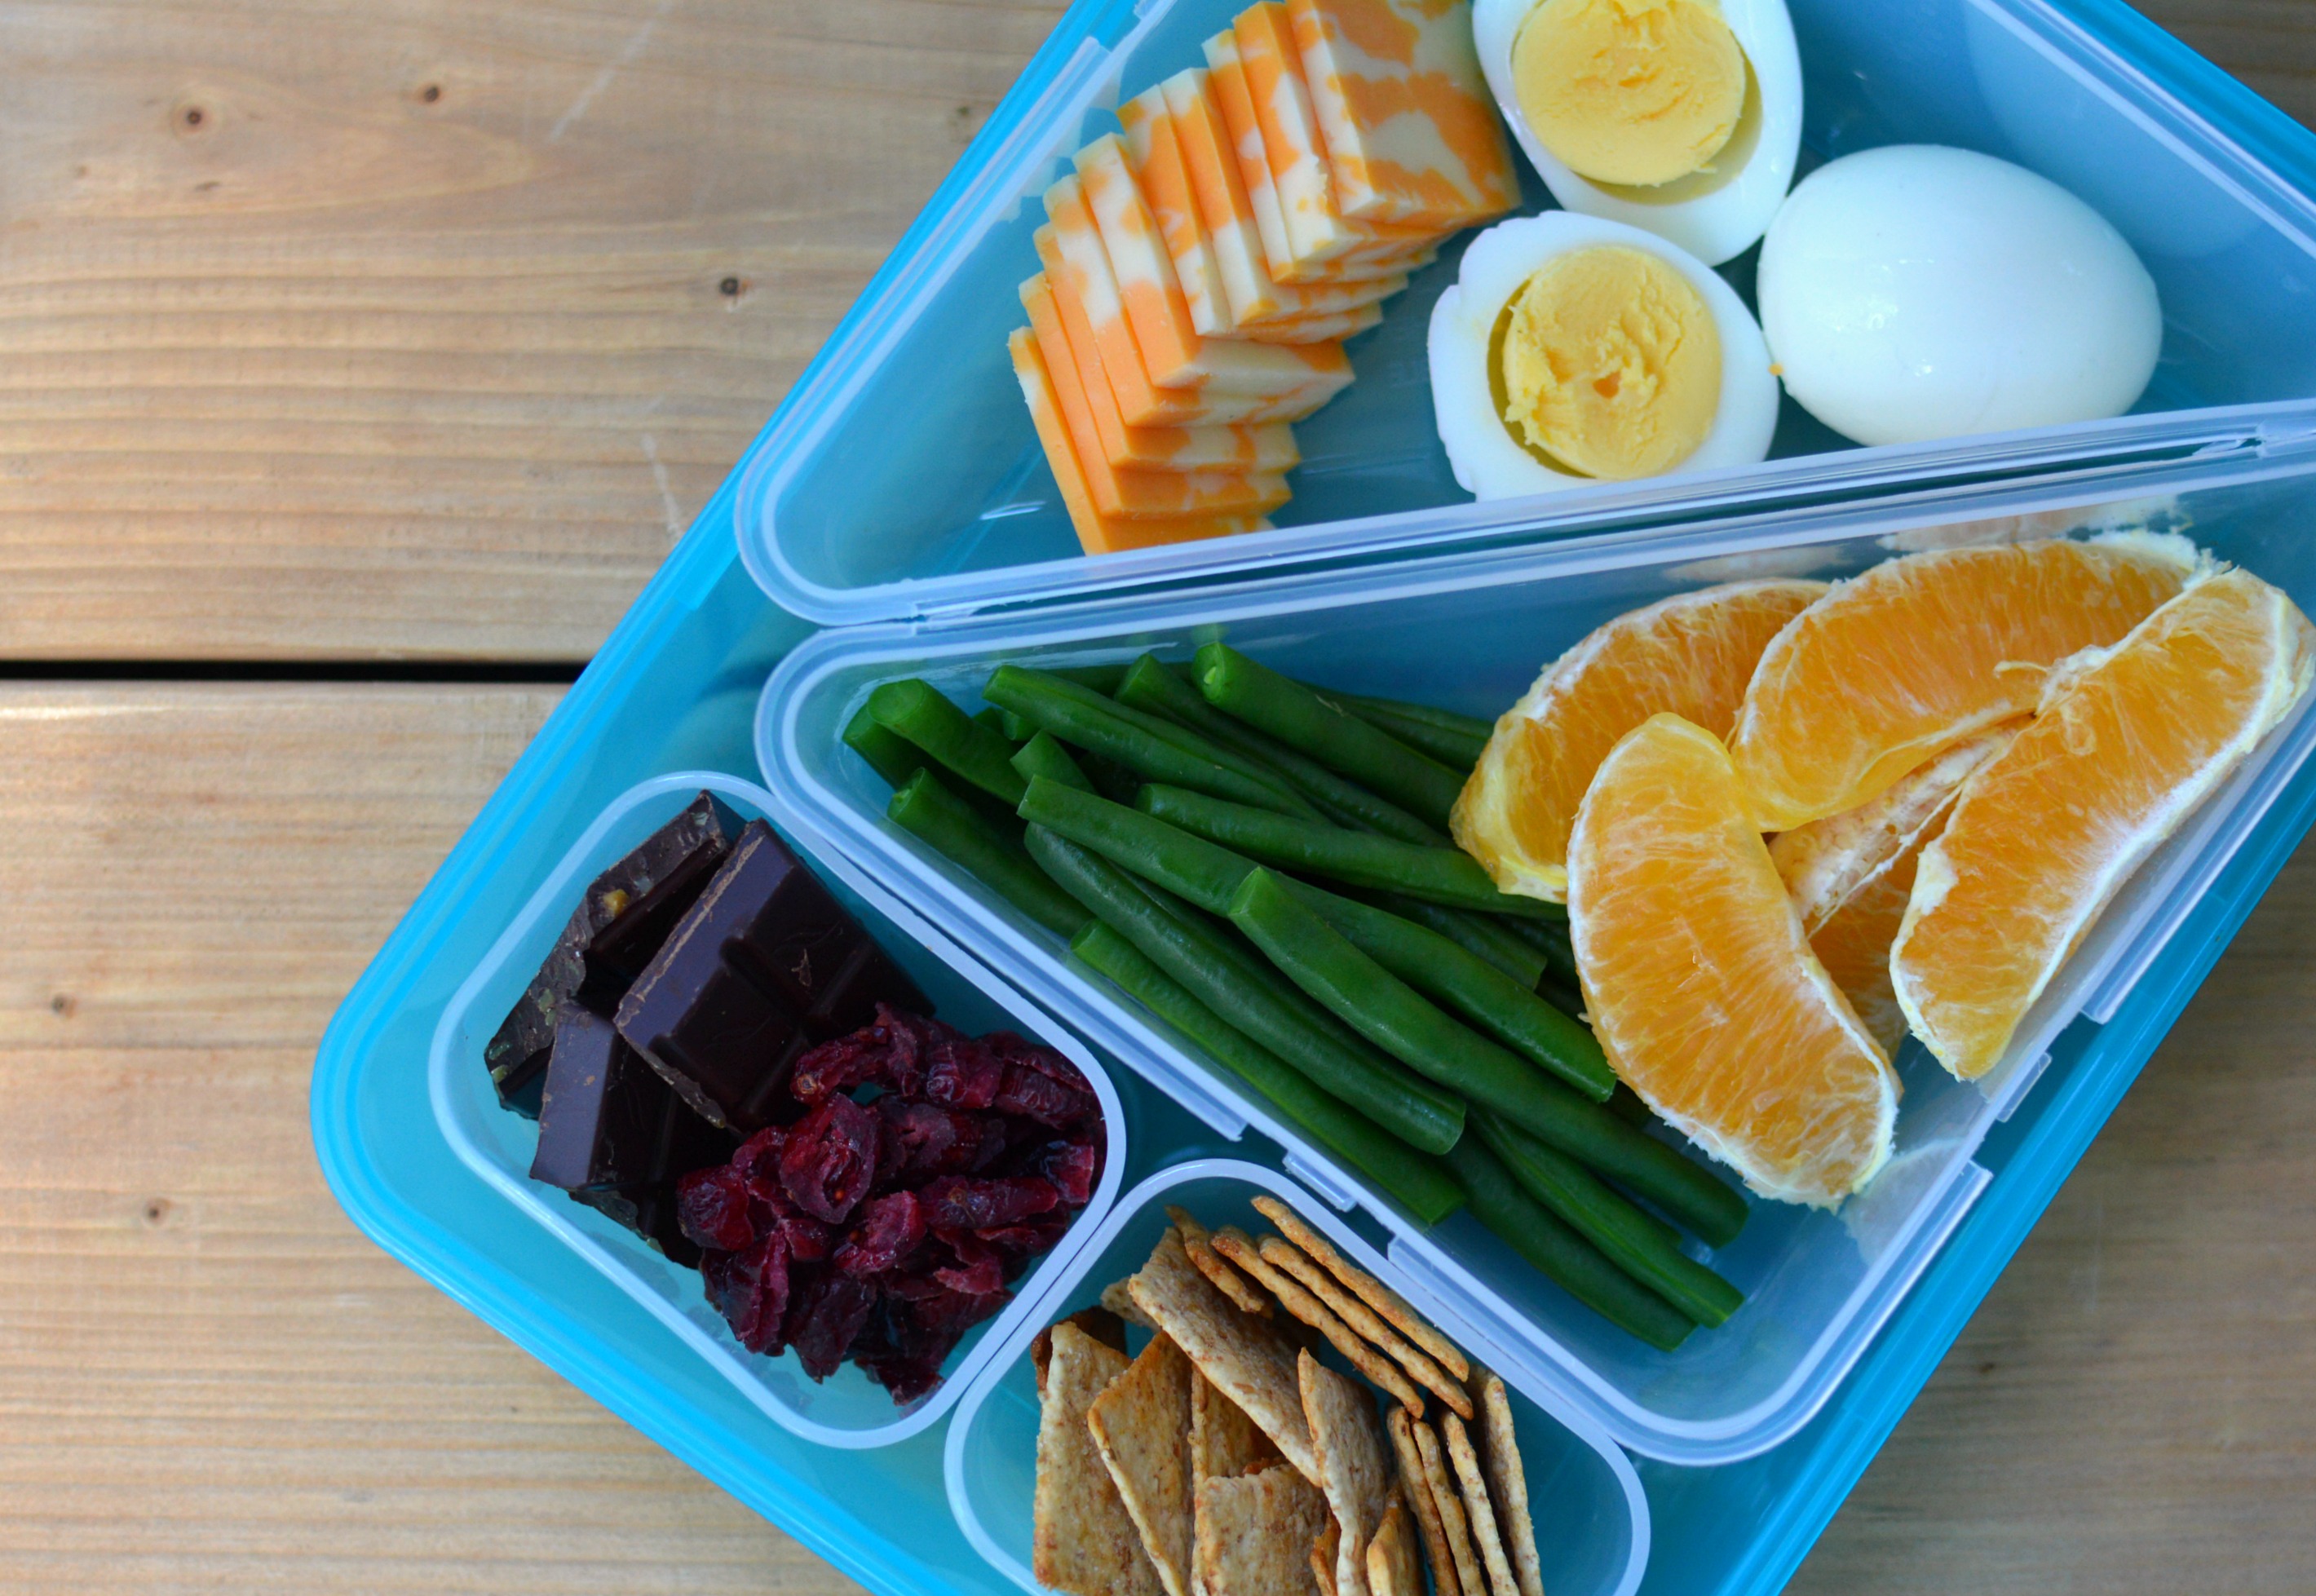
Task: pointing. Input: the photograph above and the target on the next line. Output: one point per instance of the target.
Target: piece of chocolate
(765, 966)
(626, 913)
(614, 1135)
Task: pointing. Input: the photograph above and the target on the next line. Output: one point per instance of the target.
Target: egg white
(1714, 215)
(1487, 460)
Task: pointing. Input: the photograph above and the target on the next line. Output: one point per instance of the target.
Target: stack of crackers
(1227, 1460)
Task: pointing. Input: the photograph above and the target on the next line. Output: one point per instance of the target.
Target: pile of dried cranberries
(923, 1170)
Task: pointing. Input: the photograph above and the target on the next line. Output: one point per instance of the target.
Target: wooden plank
(361, 328)
(2133, 1409)
(209, 1381)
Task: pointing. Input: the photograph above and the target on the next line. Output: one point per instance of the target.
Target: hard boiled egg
(1679, 117)
(1573, 350)
(1916, 292)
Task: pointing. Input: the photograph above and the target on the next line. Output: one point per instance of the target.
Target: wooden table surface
(366, 332)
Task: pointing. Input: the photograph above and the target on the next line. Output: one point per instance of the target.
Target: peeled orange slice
(2127, 741)
(1851, 875)
(1700, 985)
(1690, 655)
(1893, 665)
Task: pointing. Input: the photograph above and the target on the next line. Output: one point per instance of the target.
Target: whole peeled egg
(1682, 117)
(1916, 291)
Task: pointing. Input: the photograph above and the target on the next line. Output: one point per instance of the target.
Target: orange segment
(1851, 874)
(1894, 664)
(1690, 655)
(1701, 988)
(2128, 740)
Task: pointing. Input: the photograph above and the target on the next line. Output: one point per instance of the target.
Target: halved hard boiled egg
(1679, 117)
(1574, 350)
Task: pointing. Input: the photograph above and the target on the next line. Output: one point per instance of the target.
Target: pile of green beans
(1263, 865)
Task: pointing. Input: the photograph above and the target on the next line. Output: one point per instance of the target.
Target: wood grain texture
(209, 1381)
(361, 328)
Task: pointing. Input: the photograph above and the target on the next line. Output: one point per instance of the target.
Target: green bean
(1102, 679)
(1381, 1007)
(1482, 934)
(1415, 1182)
(1231, 983)
(1486, 997)
(945, 823)
(1153, 687)
(1561, 1255)
(1159, 749)
(1334, 736)
(1442, 874)
(891, 756)
(1456, 741)
(1005, 722)
(1628, 1238)
(1174, 859)
(1041, 755)
(917, 711)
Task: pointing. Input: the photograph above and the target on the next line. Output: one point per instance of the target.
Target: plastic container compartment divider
(848, 1409)
(1592, 1518)
(1468, 631)
(901, 476)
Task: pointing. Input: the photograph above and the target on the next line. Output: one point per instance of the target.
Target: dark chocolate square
(766, 965)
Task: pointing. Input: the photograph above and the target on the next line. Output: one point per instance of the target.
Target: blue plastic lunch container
(898, 501)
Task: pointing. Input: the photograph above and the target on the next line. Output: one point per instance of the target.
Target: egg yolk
(1608, 363)
(1631, 92)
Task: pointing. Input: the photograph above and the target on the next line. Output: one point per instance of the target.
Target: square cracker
(1239, 1249)
(1198, 1241)
(1387, 1302)
(1417, 1489)
(1247, 1360)
(1500, 1460)
(1255, 1534)
(1394, 1569)
(1477, 1508)
(1363, 1320)
(1141, 1425)
(1347, 1441)
(1448, 1500)
(1083, 1541)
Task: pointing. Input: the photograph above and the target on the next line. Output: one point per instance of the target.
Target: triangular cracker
(1324, 1549)
(1141, 1424)
(1249, 1362)
(1347, 1443)
(1083, 1541)
(1500, 1459)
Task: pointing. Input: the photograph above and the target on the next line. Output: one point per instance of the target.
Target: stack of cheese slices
(1202, 270)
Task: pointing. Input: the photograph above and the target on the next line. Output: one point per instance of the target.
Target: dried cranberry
(1072, 1167)
(830, 1159)
(961, 1073)
(888, 1231)
(759, 1157)
(937, 1141)
(809, 1241)
(712, 1209)
(825, 1317)
(1035, 1095)
(1031, 1236)
(908, 1342)
(978, 1270)
(956, 1203)
(750, 1290)
(886, 1053)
